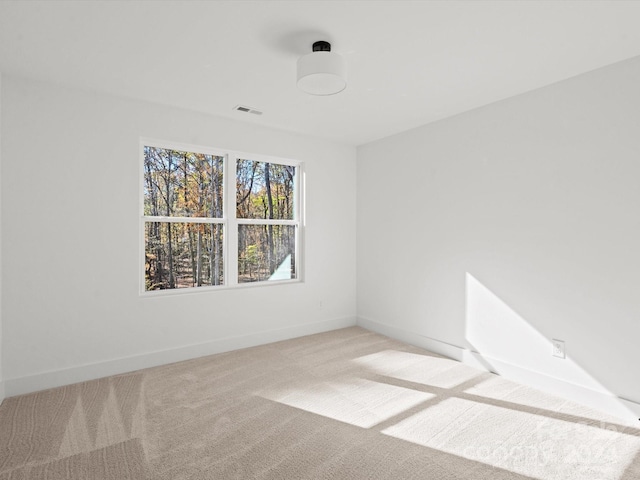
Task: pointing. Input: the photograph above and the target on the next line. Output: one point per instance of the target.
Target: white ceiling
(409, 63)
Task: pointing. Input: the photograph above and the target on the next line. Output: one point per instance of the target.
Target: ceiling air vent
(242, 108)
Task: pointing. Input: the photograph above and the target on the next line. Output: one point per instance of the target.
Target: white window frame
(229, 221)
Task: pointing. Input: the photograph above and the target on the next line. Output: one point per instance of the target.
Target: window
(217, 218)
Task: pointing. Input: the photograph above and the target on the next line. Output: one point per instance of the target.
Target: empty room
(319, 240)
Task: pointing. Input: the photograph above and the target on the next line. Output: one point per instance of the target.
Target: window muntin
(217, 219)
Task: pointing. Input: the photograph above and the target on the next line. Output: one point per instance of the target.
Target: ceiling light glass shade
(322, 73)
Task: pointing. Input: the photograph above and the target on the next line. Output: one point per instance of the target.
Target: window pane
(264, 190)
(182, 255)
(266, 252)
(182, 184)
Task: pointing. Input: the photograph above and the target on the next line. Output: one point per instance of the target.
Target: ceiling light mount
(322, 72)
(321, 46)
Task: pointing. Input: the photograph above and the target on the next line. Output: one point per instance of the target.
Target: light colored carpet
(348, 404)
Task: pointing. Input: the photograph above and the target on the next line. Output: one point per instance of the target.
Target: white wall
(1, 337)
(499, 229)
(70, 245)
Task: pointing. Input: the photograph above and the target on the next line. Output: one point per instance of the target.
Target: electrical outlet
(558, 348)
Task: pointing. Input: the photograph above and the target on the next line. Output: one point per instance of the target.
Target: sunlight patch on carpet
(518, 441)
(423, 369)
(359, 402)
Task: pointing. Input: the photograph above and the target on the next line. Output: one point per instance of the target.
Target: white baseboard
(431, 344)
(600, 400)
(1, 392)
(42, 381)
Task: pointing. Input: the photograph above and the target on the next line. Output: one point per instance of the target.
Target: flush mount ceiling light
(322, 72)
